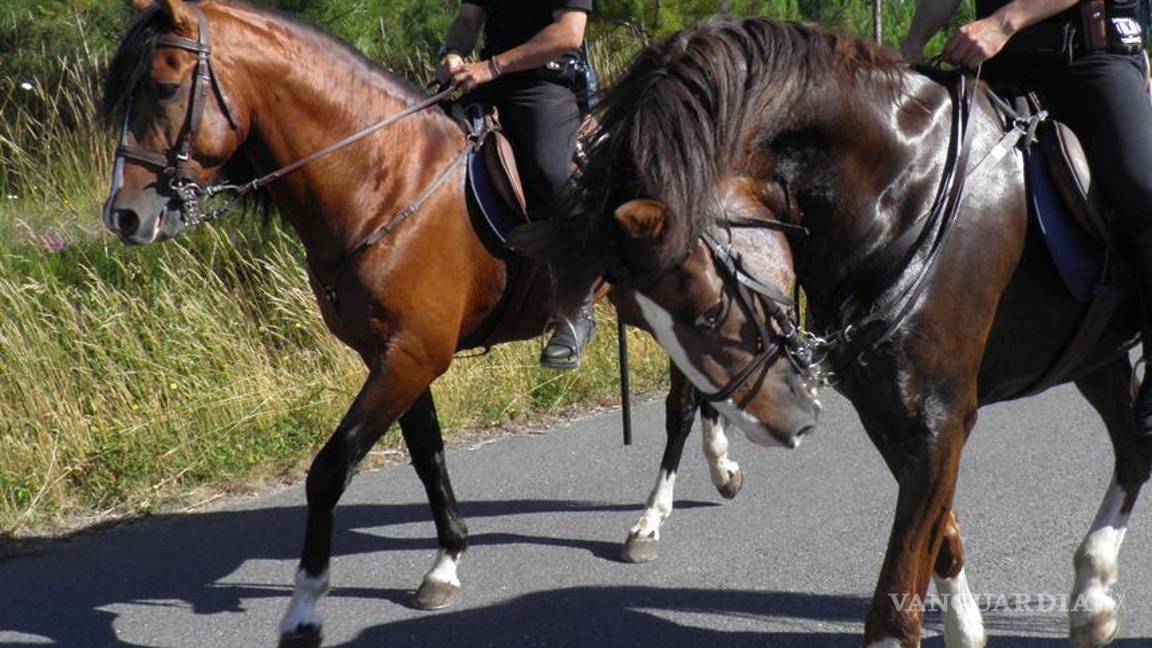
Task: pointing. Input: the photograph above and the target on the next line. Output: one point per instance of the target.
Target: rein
(797, 344)
(190, 191)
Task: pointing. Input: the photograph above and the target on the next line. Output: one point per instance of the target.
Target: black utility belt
(1117, 34)
(1068, 40)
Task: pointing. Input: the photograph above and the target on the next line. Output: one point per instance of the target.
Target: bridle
(176, 164)
(804, 351)
(190, 191)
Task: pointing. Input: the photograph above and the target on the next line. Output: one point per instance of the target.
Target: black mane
(683, 113)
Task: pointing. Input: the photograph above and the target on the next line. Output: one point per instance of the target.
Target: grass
(132, 376)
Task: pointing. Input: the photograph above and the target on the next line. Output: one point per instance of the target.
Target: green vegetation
(131, 376)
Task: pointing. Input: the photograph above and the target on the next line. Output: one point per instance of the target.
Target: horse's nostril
(126, 222)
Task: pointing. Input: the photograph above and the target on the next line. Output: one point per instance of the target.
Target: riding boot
(1140, 261)
(570, 337)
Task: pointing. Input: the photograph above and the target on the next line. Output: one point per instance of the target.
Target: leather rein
(190, 191)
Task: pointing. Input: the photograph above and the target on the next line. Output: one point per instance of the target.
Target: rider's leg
(1103, 99)
(541, 119)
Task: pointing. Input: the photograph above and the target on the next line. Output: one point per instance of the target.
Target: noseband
(189, 190)
(804, 350)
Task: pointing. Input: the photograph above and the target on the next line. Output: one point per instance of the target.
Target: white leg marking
(963, 627)
(444, 569)
(658, 508)
(886, 643)
(715, 445)
(302, 609)
(1092, 609)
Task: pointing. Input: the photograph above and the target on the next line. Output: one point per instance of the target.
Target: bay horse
(839, 136)
(202, 91)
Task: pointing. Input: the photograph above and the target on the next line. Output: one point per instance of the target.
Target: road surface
(790, 562)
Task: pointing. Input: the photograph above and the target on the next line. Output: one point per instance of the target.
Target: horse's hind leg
(1092, 608)
(963, 626)
(421, 431)
(680, 412)
(390, 390)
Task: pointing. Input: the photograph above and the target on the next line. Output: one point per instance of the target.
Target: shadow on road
(648, 616)
(180, 559)
(186, 560)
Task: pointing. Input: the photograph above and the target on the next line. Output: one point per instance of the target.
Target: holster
(1094, 25)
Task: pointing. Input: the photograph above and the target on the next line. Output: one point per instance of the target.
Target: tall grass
(130, 376)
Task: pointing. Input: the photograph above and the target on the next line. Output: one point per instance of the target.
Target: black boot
(569, 339)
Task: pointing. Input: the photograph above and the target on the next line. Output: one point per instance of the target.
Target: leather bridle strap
(749, 290)
(342, 264)
(328, 150)
(203, 77)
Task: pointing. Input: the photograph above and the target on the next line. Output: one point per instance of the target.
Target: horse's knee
(325, 483)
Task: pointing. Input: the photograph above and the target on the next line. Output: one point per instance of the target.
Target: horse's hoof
(735, 482)
(305, 636)
(639, 549)
(434, 595)
(1100, 630)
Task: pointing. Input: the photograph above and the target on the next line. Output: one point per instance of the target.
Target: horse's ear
(178, 12)
(642, 218)
(141, 5)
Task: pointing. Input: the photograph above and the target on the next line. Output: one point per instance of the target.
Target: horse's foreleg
(1092, 608)
(925, 462)
(680, 412)
(726, 474)
(421, 431)
(390, 389)
(963, 626)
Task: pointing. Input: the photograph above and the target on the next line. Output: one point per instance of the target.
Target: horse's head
(178, 127)
(723, 313)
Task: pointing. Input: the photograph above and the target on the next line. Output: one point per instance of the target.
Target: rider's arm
(979, 41)
(463, 32)
(564, 34)
(930, 17)
(461, 39)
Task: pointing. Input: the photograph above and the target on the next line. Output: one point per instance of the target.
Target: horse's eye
(167, 91)
(709, 320)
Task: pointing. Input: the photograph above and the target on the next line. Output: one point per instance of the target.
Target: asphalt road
(790, 562)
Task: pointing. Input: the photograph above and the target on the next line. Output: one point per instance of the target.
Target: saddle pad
(486, 199)
(1079, 258)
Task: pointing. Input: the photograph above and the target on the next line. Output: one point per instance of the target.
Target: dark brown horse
(840, 137)
(207, 90)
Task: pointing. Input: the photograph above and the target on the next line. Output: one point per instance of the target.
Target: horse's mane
(685, 111)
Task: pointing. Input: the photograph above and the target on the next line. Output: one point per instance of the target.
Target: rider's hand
(470, 75)
(448, 65)
(977, 42)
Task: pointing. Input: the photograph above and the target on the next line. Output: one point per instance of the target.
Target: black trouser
(540, 119)
(1103, 98)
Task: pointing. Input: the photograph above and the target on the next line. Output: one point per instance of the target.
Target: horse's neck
(311, 93)
(866, 181)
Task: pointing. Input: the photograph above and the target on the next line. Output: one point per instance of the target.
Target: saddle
(495, 194)
(1062, 196)
(1071, 216)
